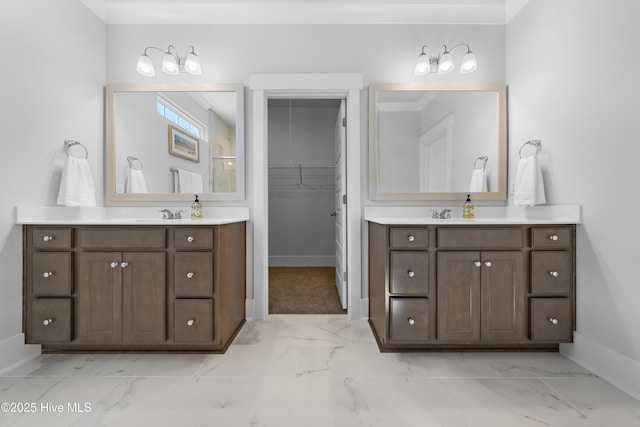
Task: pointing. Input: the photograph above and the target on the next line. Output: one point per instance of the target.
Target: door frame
(311, 86)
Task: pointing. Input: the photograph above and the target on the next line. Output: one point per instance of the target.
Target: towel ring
(68, 143)
(484, 160)
(535, 142)
(131, 159)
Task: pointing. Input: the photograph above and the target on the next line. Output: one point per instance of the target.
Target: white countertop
(552, 214)
(58, 215)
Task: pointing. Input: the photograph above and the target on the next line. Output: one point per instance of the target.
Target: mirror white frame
(111, 192)
(500, 192)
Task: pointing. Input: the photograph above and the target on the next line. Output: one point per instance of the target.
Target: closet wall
(301, 182)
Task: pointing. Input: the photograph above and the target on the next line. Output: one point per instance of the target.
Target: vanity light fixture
(171, 63)
(443, 63)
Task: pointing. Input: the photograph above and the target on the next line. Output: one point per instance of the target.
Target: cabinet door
(502, 289)
(99, 297)
(143, 297)
(458, 286)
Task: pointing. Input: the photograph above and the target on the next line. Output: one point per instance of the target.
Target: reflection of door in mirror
(435, 157)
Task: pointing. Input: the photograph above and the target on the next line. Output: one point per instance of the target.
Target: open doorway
(306, 176)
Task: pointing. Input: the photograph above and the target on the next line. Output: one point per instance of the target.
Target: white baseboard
(618, 369)
(14, 352)
(249, 309)
(302, 261)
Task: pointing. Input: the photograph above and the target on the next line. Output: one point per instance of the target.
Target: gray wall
(585, 111)
(52, 89)
(301, 231)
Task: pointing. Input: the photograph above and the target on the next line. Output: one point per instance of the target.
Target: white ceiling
(305, 11)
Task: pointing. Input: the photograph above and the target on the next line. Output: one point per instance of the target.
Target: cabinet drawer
(193, 320)
(125, 238)
(409, 238)
(551, 237)
(50, 320)
(51, 238)
(193, 274)
(51, 273)
(551, 319)
(409, 273)
(551, 272)
(480, 238)
(409, 319)
(193, 238)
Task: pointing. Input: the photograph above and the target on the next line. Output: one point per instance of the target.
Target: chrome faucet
(445, 214)
(167, 214)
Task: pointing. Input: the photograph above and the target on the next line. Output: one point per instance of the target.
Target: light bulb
(169, 64)
(445, 64)
(469, 63)
(145, 66)
(192, 64)
(423, 65)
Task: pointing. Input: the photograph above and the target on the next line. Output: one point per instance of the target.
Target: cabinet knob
(488, 263)
(553, 320)
(114, 264)
(47, 322)
(553, 237)
(411, 321)
(189, 275)
(47, 238)
(190, 239)
(554, 273)
(411, 238)
(47, 274)
(411, 273)
(124, 264)
(477, 263)
(190, 322)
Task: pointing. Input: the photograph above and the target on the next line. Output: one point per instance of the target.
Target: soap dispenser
(196, 209)
(468, 209)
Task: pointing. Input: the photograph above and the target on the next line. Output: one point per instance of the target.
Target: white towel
(76, 184)
(529, 189)
(478, 181)
(189, 182)
(136, 182)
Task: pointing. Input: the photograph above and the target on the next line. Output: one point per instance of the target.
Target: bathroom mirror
(168, 142)
(437, 141)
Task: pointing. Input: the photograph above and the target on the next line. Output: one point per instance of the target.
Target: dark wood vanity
(471, 287)
(134, 288)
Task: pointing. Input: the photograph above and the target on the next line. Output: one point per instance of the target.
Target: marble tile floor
(311, 371)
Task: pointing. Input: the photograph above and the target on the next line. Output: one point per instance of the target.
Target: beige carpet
(303, 290)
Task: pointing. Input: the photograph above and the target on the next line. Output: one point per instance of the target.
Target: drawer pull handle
(488, 263)
(48, 238)
(553, 237)
(477, 263)
(189, 275)
(554, 273)
(190, 322)
(411, 321)
(114, 264)
(47, 322)
(411, 238)
(190, 239)
(411, 273)
(47, 274)
(124, 265)
(553, 320)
